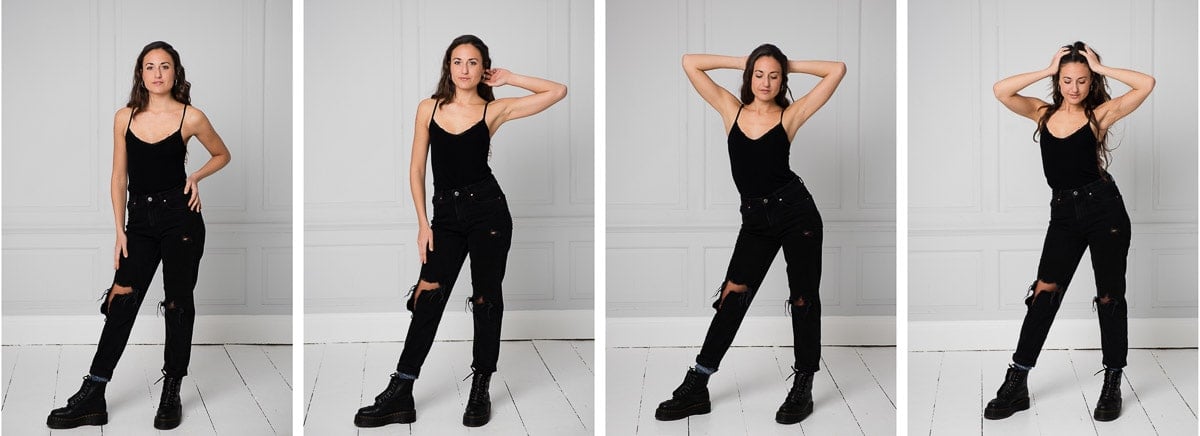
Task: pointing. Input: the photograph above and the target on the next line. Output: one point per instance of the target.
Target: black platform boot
(479, 404)
(690, 398)
(1012, 397)
(86, 407)
(393, 405)
(1108, 407)
(798, 404)
(170, 408)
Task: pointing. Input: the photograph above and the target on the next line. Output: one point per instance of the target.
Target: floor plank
(544, 406)
(958, 403)
(624, 391)
(727, 416)
(281, 359)
(336, 389)
(831, 413)
(869, 405)
(1149, 384)
(267, 388)
(8, 358)
(881, 361)
(573, 377)
(36, 372)
(1180, 367)
(225, 395)
(587, 352)
(131, 400)
(1133, 419)
(924, 370)
(314, 355)
(762, 388)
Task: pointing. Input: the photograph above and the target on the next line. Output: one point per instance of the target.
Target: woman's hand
(424, 241)
(193, 187)
(120, 250)
(1053, 68)
(496, 77)
(1092, 60)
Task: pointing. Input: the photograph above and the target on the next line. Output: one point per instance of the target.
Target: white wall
(368, 64)
(978, 198)
(672, 205)
(67, 69)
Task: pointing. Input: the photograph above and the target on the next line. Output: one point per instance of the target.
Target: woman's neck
(464, 96)
(160, 103)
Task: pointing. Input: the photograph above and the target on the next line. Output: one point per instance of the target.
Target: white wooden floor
(230, 389)
(948, 390)
(541, 388)
(854, 393)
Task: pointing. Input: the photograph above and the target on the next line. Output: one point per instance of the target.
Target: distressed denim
(472, 220)
(159, 227)
(788, 219)
(1091, 217)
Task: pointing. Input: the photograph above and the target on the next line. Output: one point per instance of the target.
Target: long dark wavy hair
(1097, 94)
(445, 86)
(748, 73)
(181, 90)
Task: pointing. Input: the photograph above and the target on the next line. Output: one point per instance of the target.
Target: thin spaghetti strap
(436, 103)
(485, 106)
(781, 116)
(182, 118)
(735, 117)
(130, 123)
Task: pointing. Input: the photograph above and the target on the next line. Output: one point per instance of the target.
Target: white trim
(148, 329)
(456, 325)
(755, 331)
(1065, 333)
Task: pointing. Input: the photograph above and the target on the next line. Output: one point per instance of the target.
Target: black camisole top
(1069, 162)
(459, 159)
(760, 166)
(155, 167)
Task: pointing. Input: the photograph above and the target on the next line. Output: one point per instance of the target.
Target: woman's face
(466, 66)
(766, 78)
(158, 71)
(1074, 82)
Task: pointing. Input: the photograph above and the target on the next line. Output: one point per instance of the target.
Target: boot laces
(391, 390)
(85, 391)
(170, 392)
(479, 387)
(1112, 384)
(801, 384)
(1011, 382)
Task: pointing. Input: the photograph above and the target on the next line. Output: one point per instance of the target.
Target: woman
(1086, 211)
(777, 211)
(150, 138)
(470, 216)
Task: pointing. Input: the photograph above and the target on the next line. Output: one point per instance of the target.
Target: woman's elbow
(560, 92)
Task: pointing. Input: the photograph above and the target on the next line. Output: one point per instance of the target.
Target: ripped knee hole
(421, 287)
(731, 287)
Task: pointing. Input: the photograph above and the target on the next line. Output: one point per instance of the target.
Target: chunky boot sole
(477, 420)
(166, 423)
(1106, 415)
(401, 417)
(1005, 412)
(792, 418)
(65, 423)
(672, 415)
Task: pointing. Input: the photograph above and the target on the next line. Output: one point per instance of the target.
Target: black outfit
(777, 211)
(470, 217)
(160, 227)
(1088, 215)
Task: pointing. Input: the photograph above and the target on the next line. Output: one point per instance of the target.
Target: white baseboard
(148, 329)
(456, 325)
(1065, 333)
(755, 331)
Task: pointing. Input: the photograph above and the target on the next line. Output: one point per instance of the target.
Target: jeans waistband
(160, 197)
(794, 185)
(488, 183)
(1101, 185)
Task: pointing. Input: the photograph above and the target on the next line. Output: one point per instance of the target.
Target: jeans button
(765, 201)
(149, 198)
(1075, 193)
(455, 193)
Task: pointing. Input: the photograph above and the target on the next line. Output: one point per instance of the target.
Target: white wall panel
(57, 168)
(672, 205)
(381, 58)
(964, 145)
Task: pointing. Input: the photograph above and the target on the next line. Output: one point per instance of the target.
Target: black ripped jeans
(159, 227)
(787, 218)
(471, 220)
(1090, 217)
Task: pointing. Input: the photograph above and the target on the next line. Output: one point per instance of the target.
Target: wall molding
(209, 329)
(755, 331)
(1066, 333)
(455, 326)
